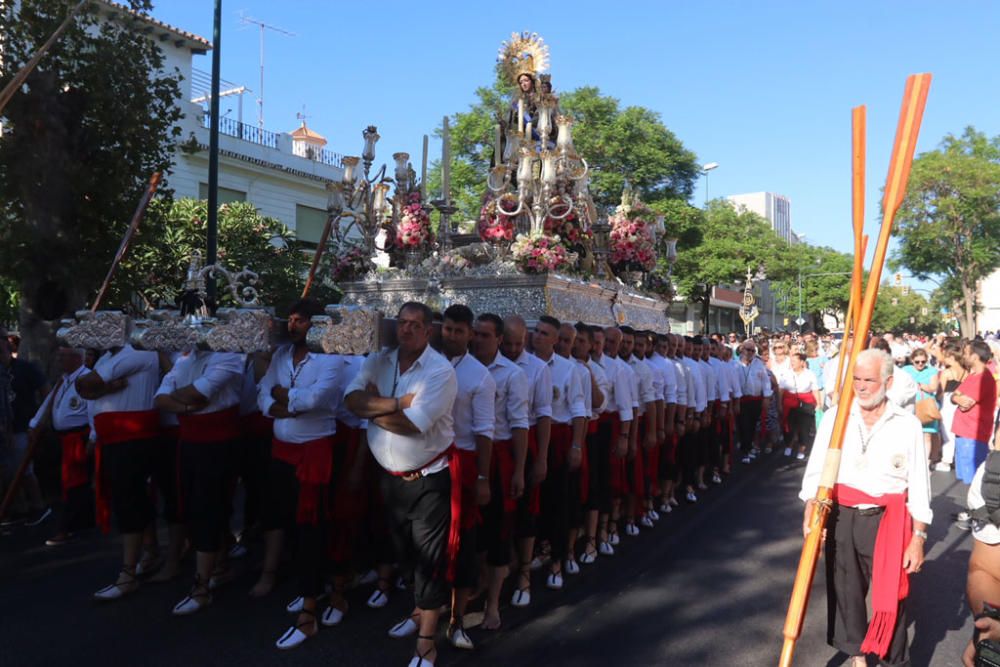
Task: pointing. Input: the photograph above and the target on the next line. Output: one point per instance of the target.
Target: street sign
(800, 321)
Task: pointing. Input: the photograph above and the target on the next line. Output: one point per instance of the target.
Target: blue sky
(763, 88)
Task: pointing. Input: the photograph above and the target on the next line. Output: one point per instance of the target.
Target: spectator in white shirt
(407, 395)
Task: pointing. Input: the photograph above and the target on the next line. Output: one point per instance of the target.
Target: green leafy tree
(172, 233)
(949, 223)
(900, 310)
(825, 280)
(81, 139)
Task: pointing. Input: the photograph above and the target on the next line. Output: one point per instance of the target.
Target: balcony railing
(256, 135)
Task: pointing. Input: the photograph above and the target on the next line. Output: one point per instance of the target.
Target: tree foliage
(81, 139)
(156, 267)
(826, 280)
(949, 223)
(899, 310)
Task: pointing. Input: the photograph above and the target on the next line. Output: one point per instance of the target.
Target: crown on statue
(523, 53)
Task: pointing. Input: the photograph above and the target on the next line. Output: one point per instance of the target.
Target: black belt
(865, 511)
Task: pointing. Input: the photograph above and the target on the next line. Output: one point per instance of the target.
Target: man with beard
(877, 527)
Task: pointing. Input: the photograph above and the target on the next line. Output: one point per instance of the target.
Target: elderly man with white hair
(877, 526)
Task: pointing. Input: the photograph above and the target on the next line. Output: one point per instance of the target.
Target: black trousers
(803, 427)
(77, 509)
(850, 543)
(419, 520)
(599, 461)
(688, 455)
(747, 422)
(252, 465)
(129, 465)
(164, 475)
(555, 506)
(206, 479)
(466, 563)
(281, 501)
(496, 534)
(526, 523)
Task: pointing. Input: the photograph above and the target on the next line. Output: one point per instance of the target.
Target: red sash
(75, 472)
(348, 503)
(502, 466)
(635, 483)
(220, 426)
(890, 583)
(313, 461)
(652, 469)
(464, 471)
(117, 428)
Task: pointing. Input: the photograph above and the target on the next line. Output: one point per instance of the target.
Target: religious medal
(555, 393)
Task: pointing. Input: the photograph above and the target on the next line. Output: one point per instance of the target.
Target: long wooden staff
(15, 84)
(133, 226)
(320, 249)
(907, 130)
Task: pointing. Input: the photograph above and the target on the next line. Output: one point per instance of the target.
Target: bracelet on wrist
(920, 533)
(482, 478)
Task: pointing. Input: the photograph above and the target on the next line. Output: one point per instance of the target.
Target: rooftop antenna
(263, 26)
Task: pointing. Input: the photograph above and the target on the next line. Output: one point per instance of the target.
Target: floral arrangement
(568, 228)
(541, 253)
(349, 262)
(494, 226)
(659, 283)
(631, 239)
(414, 229)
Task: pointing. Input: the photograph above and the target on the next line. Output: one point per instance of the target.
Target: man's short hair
(425, 312)
(982, 350)
(627, 331)
(877, 354)
(459, 314)
(551, 321)
(307, 307)
(584, 329)
(494, 320)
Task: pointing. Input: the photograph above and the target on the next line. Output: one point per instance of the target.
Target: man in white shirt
(539, 428)
(596, 401)
(624, 440)
(474, 415)
(203, 390)
(755, 386)
(882, 487)
(569, 419)
(610, 439)
(690, 446)
(298, 392)
(507, 468)
(649, 390)
(66, 414)
(674, 415)
(121, 389)
(407, 395)
(721, 432)
(666, 411)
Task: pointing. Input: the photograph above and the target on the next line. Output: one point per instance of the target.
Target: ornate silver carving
(231, 330)
(103, 330)
(345, 330)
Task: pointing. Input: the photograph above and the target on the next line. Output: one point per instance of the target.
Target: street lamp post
(705, 168)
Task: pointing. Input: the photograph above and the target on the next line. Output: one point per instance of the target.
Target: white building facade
(775, 208)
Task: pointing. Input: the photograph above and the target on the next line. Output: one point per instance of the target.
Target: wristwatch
(920, 533)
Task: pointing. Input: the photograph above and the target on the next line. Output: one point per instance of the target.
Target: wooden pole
(133, 226)
(907, 130)
(7, 94)
(320, 249)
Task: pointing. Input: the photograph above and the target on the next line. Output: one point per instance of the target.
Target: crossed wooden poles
(858, 321)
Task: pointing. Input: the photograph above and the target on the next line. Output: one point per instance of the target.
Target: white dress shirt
(699, 384)
(142, 370)
(645, 384)
(802, 382)
(734, 379)
(432, 381)
(312, 392)
(69, 412)
(474, 412)
(349, 369)
(895, 460)
(567, 390)
(511, 402)
(603, 384)
(619, 394)
(754, 380)
(685, 383)
(218, 376)
(668, 375)
(539, 386)
(582, 372)
(723, 390)
(711, 380)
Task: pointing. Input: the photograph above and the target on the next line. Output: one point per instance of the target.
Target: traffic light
(906, 290)
(898, 278)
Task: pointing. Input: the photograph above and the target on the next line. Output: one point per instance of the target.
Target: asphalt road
(708, 586)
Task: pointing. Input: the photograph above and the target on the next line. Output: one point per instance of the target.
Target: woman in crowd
(928, 386)
(800, 398)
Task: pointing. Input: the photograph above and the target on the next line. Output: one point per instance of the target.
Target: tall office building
(775, 208)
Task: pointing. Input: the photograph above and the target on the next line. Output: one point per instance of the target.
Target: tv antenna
(262, 26)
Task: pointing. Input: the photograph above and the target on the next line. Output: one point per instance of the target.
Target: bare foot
(263, 586)
(491, 621)
(307, 624)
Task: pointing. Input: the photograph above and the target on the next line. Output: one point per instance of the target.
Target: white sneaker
(378, 599)
(189, 606)
(690, 497)
(589, 558)
(673, 501)
(521, 597)
(404, 628)
(800, 456)
(942, 467)
(788, 451)
(666, 508)
(332, 616)
(570, 566)
(614, 539)
(716, 479)
(653, 514)
(459, 638)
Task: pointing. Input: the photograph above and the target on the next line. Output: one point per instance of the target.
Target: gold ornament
(524, 53)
